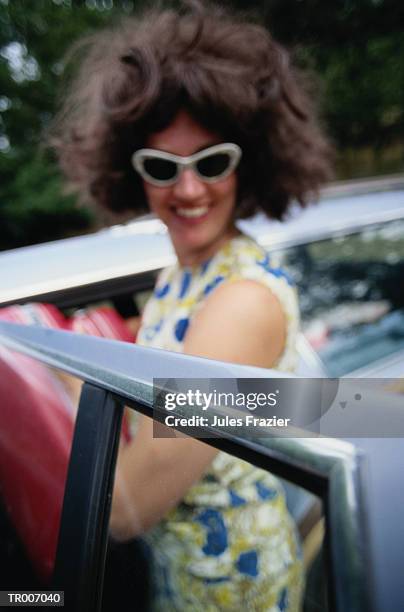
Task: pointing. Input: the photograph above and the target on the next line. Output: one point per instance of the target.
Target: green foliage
(363, 100)
(355, 46)
(34, 37)
(35, 209)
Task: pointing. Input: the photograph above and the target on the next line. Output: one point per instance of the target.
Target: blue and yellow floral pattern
(231, 544)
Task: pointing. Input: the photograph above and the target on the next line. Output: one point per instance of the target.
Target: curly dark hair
(228, 73)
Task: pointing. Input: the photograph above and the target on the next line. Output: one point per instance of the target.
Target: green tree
(34, 37)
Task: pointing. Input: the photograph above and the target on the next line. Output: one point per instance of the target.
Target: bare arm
(241, 322)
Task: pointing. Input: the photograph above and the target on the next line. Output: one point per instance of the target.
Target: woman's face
(197, 237)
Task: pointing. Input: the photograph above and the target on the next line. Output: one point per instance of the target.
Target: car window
(136, 567)
(36, 424)
(351, 295)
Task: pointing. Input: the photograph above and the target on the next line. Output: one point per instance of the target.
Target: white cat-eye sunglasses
(210, 165)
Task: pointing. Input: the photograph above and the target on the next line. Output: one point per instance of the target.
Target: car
(352, 310)
(345, 255)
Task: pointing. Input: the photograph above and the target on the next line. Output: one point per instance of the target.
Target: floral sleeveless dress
(230, 544)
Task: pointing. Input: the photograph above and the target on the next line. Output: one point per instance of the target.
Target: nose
(189, 186)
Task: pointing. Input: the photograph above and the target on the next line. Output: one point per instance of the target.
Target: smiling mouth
(192, 213)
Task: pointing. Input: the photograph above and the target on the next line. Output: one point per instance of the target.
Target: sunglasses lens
(214, 165)
(160, 169)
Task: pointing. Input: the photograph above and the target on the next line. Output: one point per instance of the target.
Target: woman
(199, 118)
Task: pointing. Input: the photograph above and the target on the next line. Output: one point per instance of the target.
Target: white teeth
(192, 212)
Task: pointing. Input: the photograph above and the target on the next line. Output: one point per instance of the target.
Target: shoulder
(259, 276)
(240, 296)
(245, 302)
(241, 321)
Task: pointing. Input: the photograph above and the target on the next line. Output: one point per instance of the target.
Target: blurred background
(354, 48)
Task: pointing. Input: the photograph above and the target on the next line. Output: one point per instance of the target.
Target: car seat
(36, 429)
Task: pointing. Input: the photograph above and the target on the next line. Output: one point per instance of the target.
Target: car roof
(142, 247)
(333, 215)
(43, 270)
